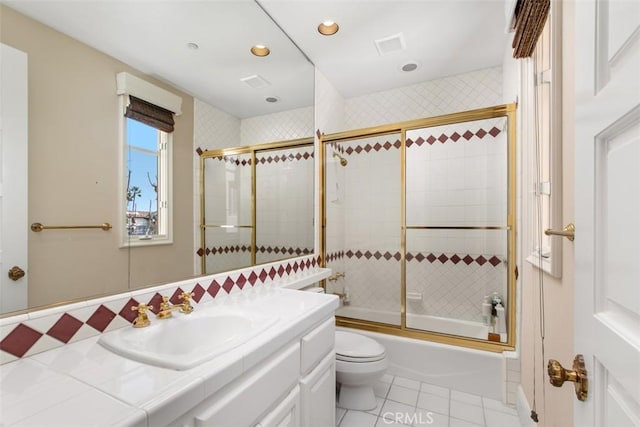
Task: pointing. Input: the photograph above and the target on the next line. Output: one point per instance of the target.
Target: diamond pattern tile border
(494, 260)
(63, 325)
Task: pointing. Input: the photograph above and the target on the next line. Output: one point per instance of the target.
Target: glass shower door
(363, 223)
(227, 212)
(457, 188)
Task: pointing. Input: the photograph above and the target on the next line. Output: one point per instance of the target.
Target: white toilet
(360, 361)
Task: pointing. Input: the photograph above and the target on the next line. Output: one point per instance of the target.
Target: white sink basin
(186, 340)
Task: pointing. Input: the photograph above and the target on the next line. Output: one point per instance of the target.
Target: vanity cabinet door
(243, 401)
(286, 414)
(318, 394)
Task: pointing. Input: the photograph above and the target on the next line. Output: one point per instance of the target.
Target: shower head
(343, 161)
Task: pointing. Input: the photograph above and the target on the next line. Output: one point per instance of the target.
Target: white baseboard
(524, 410)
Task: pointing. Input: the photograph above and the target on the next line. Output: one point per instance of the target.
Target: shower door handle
(569, 232)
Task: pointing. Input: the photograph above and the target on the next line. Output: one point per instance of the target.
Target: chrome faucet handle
(143, 318)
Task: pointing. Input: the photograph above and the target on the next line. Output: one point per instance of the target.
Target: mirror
(73, 142)
(256, 204)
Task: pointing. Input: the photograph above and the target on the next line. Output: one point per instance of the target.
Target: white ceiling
(445, 37)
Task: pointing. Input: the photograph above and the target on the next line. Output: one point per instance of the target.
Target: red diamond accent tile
(368, 148)
(420, 141)
(397, 144)
(443, 258)
(198, 291)
(199, 151)
(349, 150)
(127, 312)
(481, 260)
(272, 273)
(377, 255)
(481, 133)
(349, 253)
(253, 278)
(494, 131)
(359, 255)
(65, 328)
(241, 281)
(101, 318)
(214, 288)
(367, 255)
(409, 256)
(228, 284)
(387, 145)
(455, 259)
(280, 271)
(175, 298)
(296, 267)
(316, 260)
(155, 302)
(306, 156)
(443, 138)
(420, 257)
(200, 252)
(467, 260)
(387, 256)
(455, 136)
(20, 340)
(377, 146)
(288, 268)
(494, 260)
(359, 149)
(431, 258)
(263, 275)
(431, 140)
(467, 135)
(397, 256)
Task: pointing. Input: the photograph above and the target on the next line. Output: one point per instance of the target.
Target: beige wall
(74, 171)
(554, 405)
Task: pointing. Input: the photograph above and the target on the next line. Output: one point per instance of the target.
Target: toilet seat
(357, 348)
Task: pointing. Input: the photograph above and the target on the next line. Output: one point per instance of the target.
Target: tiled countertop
(85, 384)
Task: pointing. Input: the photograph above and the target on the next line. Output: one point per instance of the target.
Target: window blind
(150, 114)
(531, 16)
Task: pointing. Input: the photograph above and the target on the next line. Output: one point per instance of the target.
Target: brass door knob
(558, 375)
(16, 273)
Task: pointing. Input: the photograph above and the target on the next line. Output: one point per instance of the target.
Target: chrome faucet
(166, 309)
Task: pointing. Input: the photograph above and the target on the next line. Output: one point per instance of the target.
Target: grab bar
(37, 227)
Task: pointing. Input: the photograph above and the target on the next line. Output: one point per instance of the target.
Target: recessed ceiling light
(328, 28)
(272, 99)
(409, 66)
(193, 46)
(260, 50)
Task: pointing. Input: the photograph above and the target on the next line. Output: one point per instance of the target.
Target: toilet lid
(353, 347)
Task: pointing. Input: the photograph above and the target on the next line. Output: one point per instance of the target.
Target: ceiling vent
(390, 44)
(256, 81)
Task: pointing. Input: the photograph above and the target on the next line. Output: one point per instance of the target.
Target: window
(148, 177)
(544, 131)
(146, 129)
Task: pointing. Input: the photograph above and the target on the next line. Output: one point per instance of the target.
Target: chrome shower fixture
(343, 161)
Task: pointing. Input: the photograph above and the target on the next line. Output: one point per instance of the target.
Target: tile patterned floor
(405, 402)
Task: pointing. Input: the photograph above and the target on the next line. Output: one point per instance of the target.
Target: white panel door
(607, 185)
(13, 176)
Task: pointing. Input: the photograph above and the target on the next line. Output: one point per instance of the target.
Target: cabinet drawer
(316, 344)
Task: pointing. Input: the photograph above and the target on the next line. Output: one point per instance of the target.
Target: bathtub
(423, 322)
(471, 371)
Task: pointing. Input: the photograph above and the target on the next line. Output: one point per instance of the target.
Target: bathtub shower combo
(418, 227)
